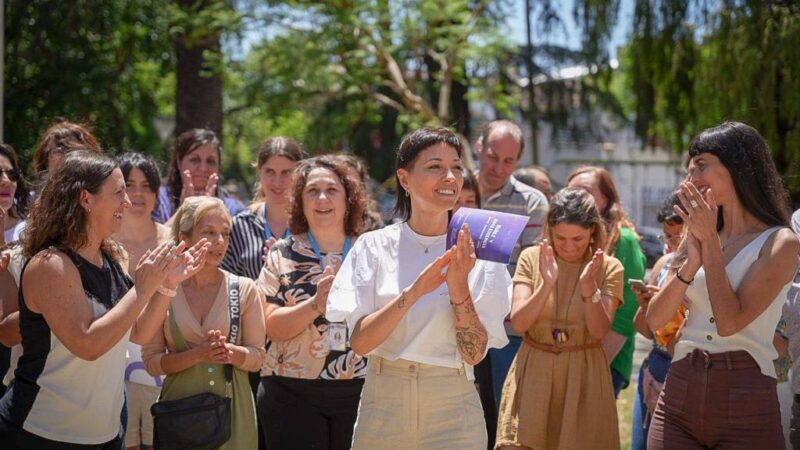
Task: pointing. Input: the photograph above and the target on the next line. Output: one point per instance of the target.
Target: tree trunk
(198, 96)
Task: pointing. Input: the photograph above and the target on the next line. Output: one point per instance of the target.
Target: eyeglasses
(11, 174)
(669, 238)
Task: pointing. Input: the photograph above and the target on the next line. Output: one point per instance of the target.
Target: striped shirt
(245, 250)
(519, 198)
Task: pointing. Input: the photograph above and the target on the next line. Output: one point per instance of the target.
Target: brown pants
(717, 401)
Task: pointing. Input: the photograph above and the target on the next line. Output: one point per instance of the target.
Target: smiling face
(140, 193)
(8, 183)
(105, 209)
(570, 241)
(589, 182)
(275, 176)
(214, 226)
(434, 179)
(498, 157)
(707, 171)
(324, 200)
(201, 162)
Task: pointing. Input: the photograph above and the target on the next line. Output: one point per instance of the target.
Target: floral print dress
(289, 277)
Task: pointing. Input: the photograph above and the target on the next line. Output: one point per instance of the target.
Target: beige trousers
(412, 406)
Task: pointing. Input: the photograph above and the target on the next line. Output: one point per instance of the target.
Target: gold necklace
(730, 241)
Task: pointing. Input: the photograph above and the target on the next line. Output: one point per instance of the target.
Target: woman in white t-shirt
(423, 314)
(733, 270)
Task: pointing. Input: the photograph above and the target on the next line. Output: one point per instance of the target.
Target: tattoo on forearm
(471, 343)
(401, 303)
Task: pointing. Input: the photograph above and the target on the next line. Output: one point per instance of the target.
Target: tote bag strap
(234, 311)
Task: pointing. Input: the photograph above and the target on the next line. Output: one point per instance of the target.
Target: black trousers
(301, 414)
(13, 438)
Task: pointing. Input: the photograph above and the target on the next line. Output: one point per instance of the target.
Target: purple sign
(494, 233)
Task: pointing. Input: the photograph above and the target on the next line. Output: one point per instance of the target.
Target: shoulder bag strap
(234, 311)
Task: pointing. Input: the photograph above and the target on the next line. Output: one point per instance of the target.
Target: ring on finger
(694, 204)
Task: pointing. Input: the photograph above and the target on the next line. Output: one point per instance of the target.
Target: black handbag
(202, 421)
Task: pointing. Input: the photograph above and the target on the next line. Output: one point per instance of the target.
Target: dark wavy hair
(356, 197)
(186, 143)
(64, 137)
(57, 218)
(576, 206)
(22, 195)
(746, 155)
(412, 145)
(614, 214)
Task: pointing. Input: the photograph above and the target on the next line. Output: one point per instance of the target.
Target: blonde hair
(192, 211)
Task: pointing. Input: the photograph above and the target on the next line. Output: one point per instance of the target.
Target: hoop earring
(407, 195)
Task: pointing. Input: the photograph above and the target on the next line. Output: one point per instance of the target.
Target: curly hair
(22, 195)
(57, 218)
(186, 143)
(614, 214)
(356, 197)
(64, 137)
(576, 206)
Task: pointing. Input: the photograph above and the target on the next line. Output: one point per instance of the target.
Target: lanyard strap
(348, 243)
(268, 231)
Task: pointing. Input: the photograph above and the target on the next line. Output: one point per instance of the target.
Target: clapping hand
(324, 284)
(189, 189)
(152, 268)
(463, 259)
(587, 278)
(548, 266)
(699, 211)
(267, 245)
(432, 276)
(187, 263)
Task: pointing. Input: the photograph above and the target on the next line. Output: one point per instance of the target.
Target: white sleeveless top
(700, 330)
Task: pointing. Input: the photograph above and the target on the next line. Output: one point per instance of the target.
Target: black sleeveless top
(46, 362)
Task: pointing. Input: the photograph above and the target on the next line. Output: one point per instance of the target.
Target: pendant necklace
(414, 236)
(560, 336)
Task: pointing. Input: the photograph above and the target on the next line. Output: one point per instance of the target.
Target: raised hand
(587, 278)
(432, 276)
(699, 211)
(463, 259)
(189, 189)
(187, 263)
(267, 245)
(324, 284)
(548, 266)
(152, 268)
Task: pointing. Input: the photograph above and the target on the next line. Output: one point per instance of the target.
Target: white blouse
(384, 262)
(700, 330)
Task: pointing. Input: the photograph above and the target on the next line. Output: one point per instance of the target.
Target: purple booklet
(494, 233)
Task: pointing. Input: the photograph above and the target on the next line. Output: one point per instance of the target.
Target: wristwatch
(595, 298)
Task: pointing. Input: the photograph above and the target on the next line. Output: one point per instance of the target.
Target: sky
(572, 38)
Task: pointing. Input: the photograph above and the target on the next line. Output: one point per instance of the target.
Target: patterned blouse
(289, 277)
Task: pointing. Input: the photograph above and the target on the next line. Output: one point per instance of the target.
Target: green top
(634, 263)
